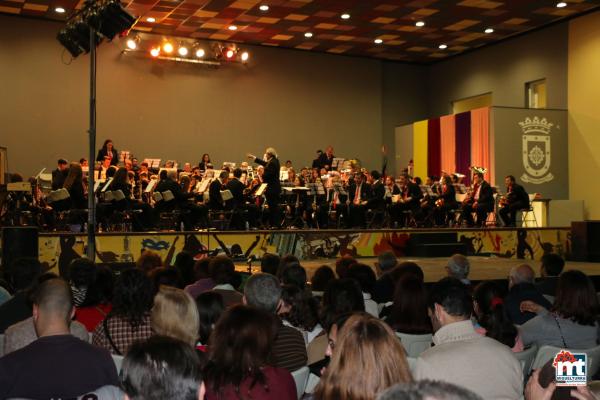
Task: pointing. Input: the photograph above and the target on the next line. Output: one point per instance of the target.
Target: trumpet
(439, 203)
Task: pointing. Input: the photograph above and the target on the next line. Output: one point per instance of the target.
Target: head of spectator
(523, 274)
(449, 302)
(184, 263)
(174, 314)
(166, 276)
(239, 348)
(133, 296)
(62, 164)
(321, 278)
(458, 267)
(342, 264)
(576, 298)
(298, 308)
(148, 260)
(341, 296)
(162, 368)
(201, 268)
(222, 270)
(23, 272)
(428, 390)
(552, 265)
(364, 275)
(409, 311)
(386, 261)
(367, 359)
(407, 268)
(287, 260)
(269, 263)
(100, 291)
(263, 291)
(488, 307)
(294, 274)
(210, 307)
(52, 308)
(82, 274)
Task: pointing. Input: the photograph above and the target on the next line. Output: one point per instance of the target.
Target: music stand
(337, 163)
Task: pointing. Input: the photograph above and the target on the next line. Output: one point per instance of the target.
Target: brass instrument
(439, 203)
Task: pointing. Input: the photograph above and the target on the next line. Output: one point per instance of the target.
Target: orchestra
(149, 196)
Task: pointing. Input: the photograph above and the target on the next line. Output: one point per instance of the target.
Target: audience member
(294, 274)
(184, 263)
(162, 368)
(384, 288)
(520, 289)
(428, 390)
(366, 359)
(287, 260)
(203, 280)
(222, 272)
(98, 299)
(342, 296)
(81, 275)
(175, 314)
(364, 275)
(459, 267)
(573, 320)
(551, 267)
(263, 291)
(22, 274)
(210, 307)
(166, 276)
(408, 314)
(301, 311)
(148, 260)
(462, 356)
(342, 264)
(492, 320)
(57, 365)
(129, 319)
(320, 279)
(269, 263)
(238, 365)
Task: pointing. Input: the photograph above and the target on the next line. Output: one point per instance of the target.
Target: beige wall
(584, 112)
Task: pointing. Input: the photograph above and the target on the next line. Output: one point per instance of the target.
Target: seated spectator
(461, 356)
(459, 267)
(57, 365)
(294, 274)
(162, 368)
(364, 275)
(148, 260)
(384, 288)
(552, 266)
(22, 274)
(184, 263)
(269, 263)
(492, 320)
(573, 319)
(366, 359)
(428, 390)
(210, 307)
(165, 276)
(81, 275)
(409, 314)
(263, 291)
(175, 315)
(320, 279)
(98, 299)
(222, 272)
(301, 311)
(341, 297)
(520, 289)
(203, 280)
(129, 319)
(342, 264)
(238, 365)
(286, 261)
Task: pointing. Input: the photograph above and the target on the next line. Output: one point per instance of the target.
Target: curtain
(448, 144)
(420, 148)
(434, 145)
(463, 145)
(480, 140)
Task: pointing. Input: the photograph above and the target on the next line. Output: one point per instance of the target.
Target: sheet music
(261, 189)
(151, 186)
(107, 185)
(226, 195)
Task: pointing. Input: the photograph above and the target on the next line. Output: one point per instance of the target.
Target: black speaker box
(17, 242)
(585, 241)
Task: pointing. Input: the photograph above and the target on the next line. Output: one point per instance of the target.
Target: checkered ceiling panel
(459, 24)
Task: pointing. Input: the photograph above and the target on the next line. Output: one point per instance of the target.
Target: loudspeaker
(585, 236)
(17, 242)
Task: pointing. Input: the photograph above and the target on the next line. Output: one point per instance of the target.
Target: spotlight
(308, 34)
(245, 56)
(264, 7)
(443, 46)
(377, 41)
(151, 19)
(420, 23)
(345, 16)
(131, 44)
(167, 47)
(200, 53)
(229, 54)
(489, 30)
(183, 51)
(232, 28)
(155, 52)
(60, 10)
(562, 4)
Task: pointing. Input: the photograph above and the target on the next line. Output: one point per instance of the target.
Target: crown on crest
(536, 125)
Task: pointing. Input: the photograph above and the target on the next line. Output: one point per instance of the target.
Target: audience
(364, 275)
(366, 359)
(384, 288)
(520, 289)
(239, 352)
(184, 264)
(210, 307)
(428, 390)
(462, 356)
(573, 320)
(263, 291)
(203, 280)
(57, 365)
(301, 311)
(81, 274)
(342, 264)
(129, 319)
(222, 272)
(551, 267)
(22, 275)
(459, 267)
(269, 263)
(320, 279)
(175, 315)
(98, 299)
(148, 260)
(162, 368)
(295, 275)
(342, 296)
(166, 276)
(408, 314)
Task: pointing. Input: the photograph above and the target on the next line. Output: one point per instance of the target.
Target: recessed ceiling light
(489, 30)
(150, 19)
(232, 28)
(443, 46)
(200, 53)
(60, 10)
(345, 16)
(420, 23)
(183, 51)
(308, 34)
(264, 7)
(377, 41)
(562, 4)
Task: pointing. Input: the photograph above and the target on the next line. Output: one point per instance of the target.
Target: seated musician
(238, 202)
(516, 199)
(74, 185)
(359, 192)
(121, 182)
(60, 174)
(479, 201)
(194, 214)
(215, 201)
(409, 200)
(445, 202)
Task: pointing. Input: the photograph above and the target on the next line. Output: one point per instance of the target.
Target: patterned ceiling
(460, 24)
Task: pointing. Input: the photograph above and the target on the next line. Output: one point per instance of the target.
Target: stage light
(60, 10)
(443, 46)
(131, 44)
(345, 16)
(562, 4)
(155, 52)
(264, 7)
(167, 47)
(420, 23)
(229, 53)
(200, 53)
(151, 19)
(377, 41)
(232, 28)
(308, 34)
(183, 51)
(245, 56)
(489, 30)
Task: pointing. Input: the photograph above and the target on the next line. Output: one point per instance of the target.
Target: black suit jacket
(58, 178)
(486, 197)
(170, 184)
(271, 175)
(103, 153)
(365, 192)
(518, 195)
(376, 199)
(237, 190)
(215, 201)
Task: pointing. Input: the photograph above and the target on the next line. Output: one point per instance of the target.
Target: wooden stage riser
(530, 244)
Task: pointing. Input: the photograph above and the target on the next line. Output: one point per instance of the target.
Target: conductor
(271, 178)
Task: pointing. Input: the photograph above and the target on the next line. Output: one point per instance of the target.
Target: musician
(74, 185)
(108, 150)
(359, 193)
(327, 158)
(203, 164)
(215, 201)
(391, 189)
(197, 213)
(445, 202)
(318, 162)
(410, 200)
(479, 201)
(271, 178)
(377, 197)
(236, 187)
(516, 199)
(60, 174)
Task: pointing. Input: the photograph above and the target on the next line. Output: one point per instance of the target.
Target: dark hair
(201, 268)
(341, 296)
(286, 260)
(105, 145)
(375, 174)
(418, 181)
(111, 171)
(553, 264)
(210, 307)
(184, 263)
(387, 261)
(82, 272)
(161, 368)
(492, 314)
(453, 296)
(23, 272)
(133, 296)
(239, 348)
(511, 178)
(321, 278)
(304, 309)
(269, 263)
(342, 264)
(294, 274)
(148, 260)
(163, 174)
(165, 276)
(62, 161)
(237, 173)
(74, 177)
(120, 177)
(409, 311)
(576, 298)
(221, 270)
(364, 275)
(99, 291)
(407, 268)
(425, 390)
(479, 174)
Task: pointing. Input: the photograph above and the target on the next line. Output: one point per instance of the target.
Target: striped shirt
(289, 349)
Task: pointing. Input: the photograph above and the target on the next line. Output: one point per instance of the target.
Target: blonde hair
(367, 359)
(175, 315)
